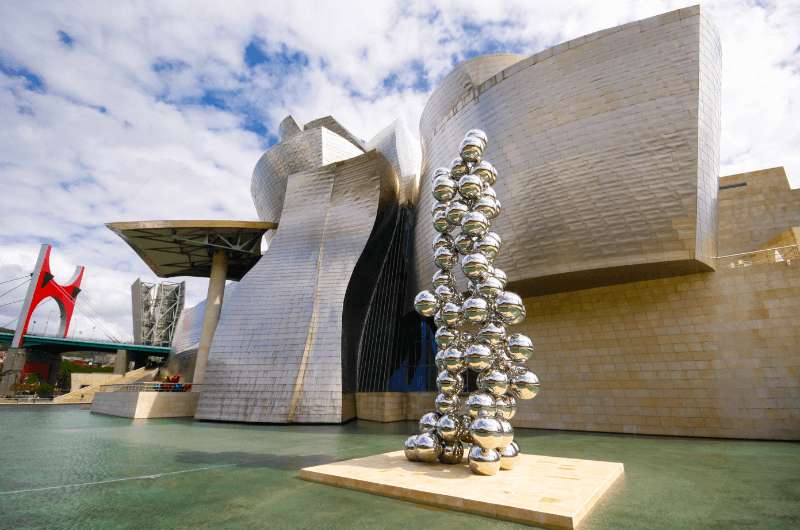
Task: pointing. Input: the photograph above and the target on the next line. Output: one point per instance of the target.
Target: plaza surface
(62, 467)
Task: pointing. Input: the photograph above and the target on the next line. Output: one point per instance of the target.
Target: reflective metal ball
(444, 294)
(453, 360)
(480, 403)
(452, 453)
(440, 223)
(475, 310)
(446, 404)
(486, 432)
(427, 423)
(492, 334)
(451, 314)
(464, 243)
(487, 206)
(479, 134)
(458, 167)
(455, 212)
(439, 207)
(493, 381)
(490, 287)
(484, 461)
(470, 187)
(475, 266)
(501, 276)
(444, 258)
(444, 189)
(463, 433)
(471, 149)
(410, 448)
(485, 171)
(478, 357)
(445, 337)
(426, 303)
(506, 407)
(488, 245)
(443, 240)
(440, 172)
(448, 383)
(510, 308)
(474, 224)
(428, 447)
(448, 428)
(507, 433)
(441, 277)
(524, 385)
(520, 347)
(508, 457)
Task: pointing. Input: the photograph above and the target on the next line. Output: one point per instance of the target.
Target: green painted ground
(240, 476)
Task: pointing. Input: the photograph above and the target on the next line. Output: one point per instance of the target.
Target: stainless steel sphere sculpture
(472, 324)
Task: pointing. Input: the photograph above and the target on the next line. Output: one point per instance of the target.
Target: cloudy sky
(148, 110)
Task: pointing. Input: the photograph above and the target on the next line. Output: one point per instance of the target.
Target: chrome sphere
(458, 167)
(470, 187)
(427, 423)
(438, 360)
(444, 189)
(520, 347)
(489, 288)
(448, 428)
(508, 457)
(445, 337)
(451, 314)
(488, 190)
(510, 308)
(455, 212)
(506, 407)
(480, 403)
(444, 258)
(441, 277)
(507, 432)
(446, 404)
(465, 340)
(475, 310)
(486, 432)
(448, 383)
(440, 223)
(471, 149)
(428, 447)
(426, 304)
(524, 385)
(501, 276)
(478, 357)
(474, 224)
(475, 266)
(493, 381)
(492, 334)
(487, 206)
(444, 293)
(439, 207)
(488, 245)
(443, 240)
(484, 461)
(464, 244)
(440, 172)
(410, 448)
(479, 134)
(452, 453)
(453, 360)
(486, 172)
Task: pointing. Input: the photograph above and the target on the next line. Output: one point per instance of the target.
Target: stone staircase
(86, 394)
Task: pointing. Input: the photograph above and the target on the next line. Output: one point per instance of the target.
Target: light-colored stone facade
(707, 354)
(141, 405)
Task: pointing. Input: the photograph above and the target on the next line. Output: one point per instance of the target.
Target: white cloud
(120, 132)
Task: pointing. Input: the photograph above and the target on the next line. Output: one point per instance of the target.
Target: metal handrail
(795, 246)
(783, 255)
(150, 387)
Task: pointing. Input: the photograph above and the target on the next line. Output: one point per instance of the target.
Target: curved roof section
(184, 248)
(463, 78)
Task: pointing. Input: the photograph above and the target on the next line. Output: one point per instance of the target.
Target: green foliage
(67, 368)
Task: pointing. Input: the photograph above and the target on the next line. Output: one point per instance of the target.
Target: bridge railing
(785, 255)
(151, 387)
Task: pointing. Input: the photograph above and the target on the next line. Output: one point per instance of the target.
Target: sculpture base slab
(541, 490)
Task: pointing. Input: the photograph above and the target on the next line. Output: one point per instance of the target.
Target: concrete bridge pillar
(121, 362)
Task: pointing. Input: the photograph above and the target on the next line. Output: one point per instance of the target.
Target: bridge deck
(58, 344)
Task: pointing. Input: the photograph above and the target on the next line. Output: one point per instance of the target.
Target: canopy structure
(185, 248)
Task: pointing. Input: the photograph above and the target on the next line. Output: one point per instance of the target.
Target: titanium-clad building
(664, 300)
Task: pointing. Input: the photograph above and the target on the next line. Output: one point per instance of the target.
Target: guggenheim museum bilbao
(663, 298)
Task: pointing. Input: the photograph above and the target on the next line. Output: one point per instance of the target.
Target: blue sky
(145, 110)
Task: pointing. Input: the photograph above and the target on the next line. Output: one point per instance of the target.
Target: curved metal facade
(606, 148)
(288, 340)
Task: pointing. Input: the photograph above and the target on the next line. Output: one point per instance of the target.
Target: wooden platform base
(540, 490)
